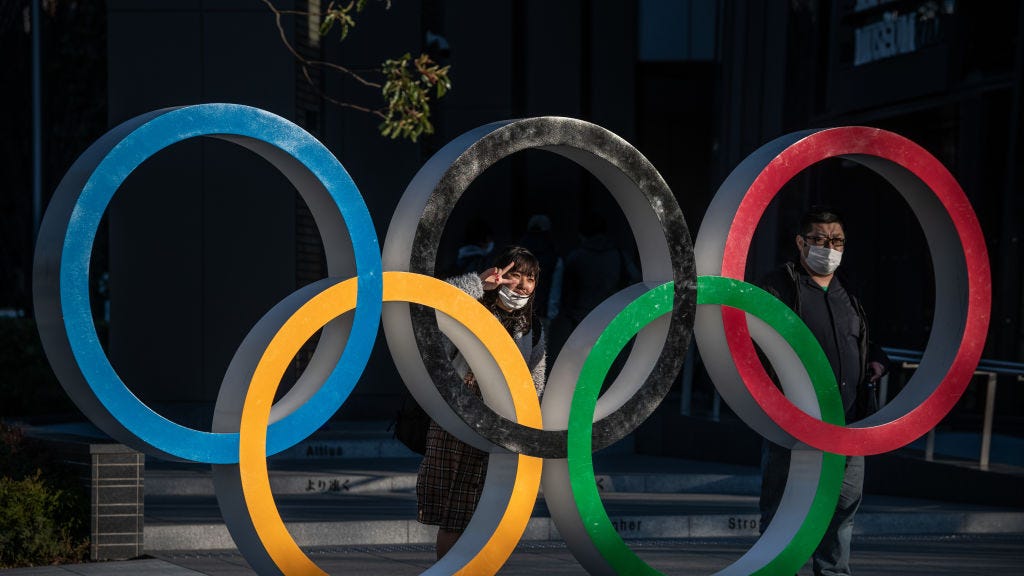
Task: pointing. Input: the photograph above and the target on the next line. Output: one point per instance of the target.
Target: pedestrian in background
(477, 247)
(593, 272)
(539, 240)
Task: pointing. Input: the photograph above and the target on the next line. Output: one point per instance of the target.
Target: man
(837, 320)
(539, 240)
(475, 252)
(593, 272)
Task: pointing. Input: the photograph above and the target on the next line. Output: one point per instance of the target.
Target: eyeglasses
(836, 243)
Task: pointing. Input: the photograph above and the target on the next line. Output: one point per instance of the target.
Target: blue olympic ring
(92, 182)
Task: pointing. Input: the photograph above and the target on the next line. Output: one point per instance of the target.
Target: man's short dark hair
(819, 215)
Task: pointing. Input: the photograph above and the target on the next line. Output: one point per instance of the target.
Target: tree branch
(305, 72)
(307, 62)
(407, 82)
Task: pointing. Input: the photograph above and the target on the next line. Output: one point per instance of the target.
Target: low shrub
(44, 508)
(36, 524)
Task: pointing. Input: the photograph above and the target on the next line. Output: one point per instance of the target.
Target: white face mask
(822, 260)
(512, 300)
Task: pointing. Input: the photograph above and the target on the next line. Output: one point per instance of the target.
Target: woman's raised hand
(494, 277)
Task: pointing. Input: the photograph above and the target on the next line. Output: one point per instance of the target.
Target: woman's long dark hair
(517, 321)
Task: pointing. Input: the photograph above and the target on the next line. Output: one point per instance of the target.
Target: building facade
(204, 237)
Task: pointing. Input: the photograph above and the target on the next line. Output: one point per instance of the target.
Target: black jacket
(783, 283)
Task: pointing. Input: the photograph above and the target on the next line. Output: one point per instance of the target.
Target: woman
(451, 476)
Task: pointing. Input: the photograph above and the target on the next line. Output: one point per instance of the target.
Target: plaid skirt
(450, 481)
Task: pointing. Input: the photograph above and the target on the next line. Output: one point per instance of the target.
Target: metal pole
(37, 123)
(986, 430)
(929, 447)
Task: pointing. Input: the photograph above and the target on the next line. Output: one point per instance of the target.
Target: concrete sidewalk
(371, 501)
(872, 556)
(348, 497)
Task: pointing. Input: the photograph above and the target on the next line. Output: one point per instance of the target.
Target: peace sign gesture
(495, 277)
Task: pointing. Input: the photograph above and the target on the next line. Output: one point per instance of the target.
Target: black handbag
(411, 424)
(867, 399)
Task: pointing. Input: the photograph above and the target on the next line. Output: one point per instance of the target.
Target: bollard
(116, 495)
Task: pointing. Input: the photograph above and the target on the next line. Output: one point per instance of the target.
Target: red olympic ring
(890, 435)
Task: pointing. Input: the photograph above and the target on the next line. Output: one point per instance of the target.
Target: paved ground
(362, 502)
(358, 518)
(873, 556)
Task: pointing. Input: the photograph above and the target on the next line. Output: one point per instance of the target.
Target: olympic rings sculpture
(529, 442)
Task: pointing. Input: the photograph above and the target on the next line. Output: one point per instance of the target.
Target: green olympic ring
(656, 302)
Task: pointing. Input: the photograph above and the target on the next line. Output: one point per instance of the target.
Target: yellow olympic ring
(313, 315)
